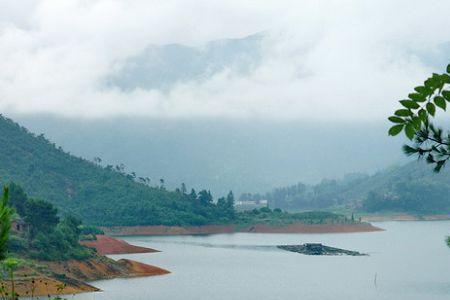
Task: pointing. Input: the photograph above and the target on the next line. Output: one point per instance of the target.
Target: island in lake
(318, 249)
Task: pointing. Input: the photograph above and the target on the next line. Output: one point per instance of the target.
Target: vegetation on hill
(412, 188)
(13, 257)
(39, 232)
(328, 193)
(5, 223)
(277, 217)
(99, 195)
(41, 254)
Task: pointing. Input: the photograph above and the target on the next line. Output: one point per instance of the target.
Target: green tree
(17, 198)
(5, 223)
(222, 203)
(71, 228)
(41, 216)
(183, 188)
(230, 205)
(193, 195)
(230, 199)
(205, 197)
(413, 118)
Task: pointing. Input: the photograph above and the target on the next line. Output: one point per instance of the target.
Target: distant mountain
(101, 195)
(162, 66)
(223, 155)
(412, 188)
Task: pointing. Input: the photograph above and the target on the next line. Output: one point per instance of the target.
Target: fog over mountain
(164, 66)
(250, 103)
(245, 156)
(275, 60)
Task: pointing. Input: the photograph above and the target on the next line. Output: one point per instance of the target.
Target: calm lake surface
(407, 261)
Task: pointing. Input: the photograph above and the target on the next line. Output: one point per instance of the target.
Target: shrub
(17, 244)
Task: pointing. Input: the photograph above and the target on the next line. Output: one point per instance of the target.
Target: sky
(328, 60)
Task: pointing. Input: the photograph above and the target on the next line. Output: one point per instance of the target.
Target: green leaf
(396, 129)
(422, 90)
(408, 150)
(440, 102)
(431, 108)
(417, 122)
(445, 78)
(417, 97)
(403, 113)
(448, 69)
(409, 104)
(423, 115)
(446, 95)
(431, 83)
(395, 119)
(439, 165)
(410, 131)
(439, 83)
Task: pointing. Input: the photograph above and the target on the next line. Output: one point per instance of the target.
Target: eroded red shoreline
(108, 245)
(74, 274)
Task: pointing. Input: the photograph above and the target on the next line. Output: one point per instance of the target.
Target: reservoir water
(407, 261)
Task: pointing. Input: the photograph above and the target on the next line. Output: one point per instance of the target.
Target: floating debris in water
(318, 249)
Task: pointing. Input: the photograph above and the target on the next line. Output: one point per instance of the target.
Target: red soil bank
(73, 275)
(108, 245)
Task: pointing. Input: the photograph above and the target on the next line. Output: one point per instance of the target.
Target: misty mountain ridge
(163, 66)
(411, 188)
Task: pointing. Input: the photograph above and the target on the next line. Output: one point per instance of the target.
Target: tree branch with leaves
(413, 118)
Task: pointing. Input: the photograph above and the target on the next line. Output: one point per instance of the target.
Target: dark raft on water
(318, 249)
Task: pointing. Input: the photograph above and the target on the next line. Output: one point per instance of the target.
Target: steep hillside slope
(98, 195)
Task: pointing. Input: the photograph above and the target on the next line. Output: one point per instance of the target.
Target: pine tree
(205, 197)
(183, 188)
(230, 205)
(193, 195)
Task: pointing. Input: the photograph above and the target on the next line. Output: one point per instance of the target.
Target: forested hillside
(101, 195)
(410, 188)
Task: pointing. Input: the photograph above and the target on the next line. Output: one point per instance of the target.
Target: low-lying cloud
(327, 60)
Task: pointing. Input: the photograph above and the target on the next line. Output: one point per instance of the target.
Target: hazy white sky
(322, 59)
